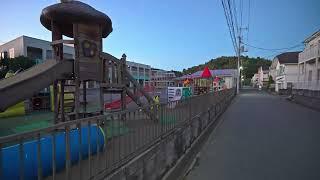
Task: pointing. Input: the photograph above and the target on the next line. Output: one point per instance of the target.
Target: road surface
(262, 136)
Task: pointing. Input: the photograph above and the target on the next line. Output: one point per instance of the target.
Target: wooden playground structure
(85, 28)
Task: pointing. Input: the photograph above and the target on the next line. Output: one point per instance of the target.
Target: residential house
(263, 76)
(284, 71)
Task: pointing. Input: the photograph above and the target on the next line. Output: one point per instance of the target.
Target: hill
(250, 65)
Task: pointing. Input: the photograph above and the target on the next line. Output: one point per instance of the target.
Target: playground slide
(25, 84)
(117, 103)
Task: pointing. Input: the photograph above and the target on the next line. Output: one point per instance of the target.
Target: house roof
(216, 72)
(288, 57)
(206, 73)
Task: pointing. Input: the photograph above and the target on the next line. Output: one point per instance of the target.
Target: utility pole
(239, 54)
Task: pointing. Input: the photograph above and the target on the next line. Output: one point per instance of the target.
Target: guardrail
(96, 146)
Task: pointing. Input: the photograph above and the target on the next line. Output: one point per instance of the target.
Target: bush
(15, 64)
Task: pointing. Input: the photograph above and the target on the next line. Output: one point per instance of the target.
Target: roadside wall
(167, 158)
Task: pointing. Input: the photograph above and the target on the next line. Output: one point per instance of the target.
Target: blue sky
(176, 34)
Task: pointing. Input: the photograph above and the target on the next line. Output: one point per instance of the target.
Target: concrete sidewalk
(262, 137)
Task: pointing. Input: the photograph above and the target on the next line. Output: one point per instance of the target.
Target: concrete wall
(307, 98)
(16, 44)
(291, 72)
(44, 45)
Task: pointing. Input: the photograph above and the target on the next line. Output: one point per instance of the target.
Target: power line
(232, 20)
(233, 17)
(241, 10)
(273, 55)
(235, 12)
(276, 49)
(229, 23)
(249, 13)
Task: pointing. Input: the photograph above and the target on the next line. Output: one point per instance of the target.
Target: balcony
(309, 53)
(279, 72)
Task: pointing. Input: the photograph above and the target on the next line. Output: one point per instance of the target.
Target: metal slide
(25, 84)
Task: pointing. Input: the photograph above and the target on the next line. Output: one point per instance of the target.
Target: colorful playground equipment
(208, 80)
(116, 104)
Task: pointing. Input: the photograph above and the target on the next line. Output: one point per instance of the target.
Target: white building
(284, 70)
(141, 72)
(162, 78)
(37, 49)
(309, 67)
(254, 80)
(263, 76)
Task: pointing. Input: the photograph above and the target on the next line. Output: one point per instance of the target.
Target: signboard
(178, 93)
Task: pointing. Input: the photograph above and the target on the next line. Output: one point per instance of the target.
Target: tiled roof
(288, 57)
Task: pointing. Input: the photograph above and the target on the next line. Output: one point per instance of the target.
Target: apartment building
(308, 67)
(307, 88)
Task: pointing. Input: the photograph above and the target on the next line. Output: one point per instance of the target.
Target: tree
(250, 65)
(270, 81)
(15, 64)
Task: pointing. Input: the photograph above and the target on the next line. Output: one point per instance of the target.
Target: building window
(3, 55)
(318, 75)
(11, 53)
(34, 53)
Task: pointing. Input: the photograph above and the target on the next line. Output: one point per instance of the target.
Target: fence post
(209, 114)
(21, 158)
(189, 105)
(39, 157)
(1, 161)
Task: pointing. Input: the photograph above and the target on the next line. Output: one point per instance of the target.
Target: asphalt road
(262, 136)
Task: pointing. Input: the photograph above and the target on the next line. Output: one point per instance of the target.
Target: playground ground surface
(13, 121)
(18, 124)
